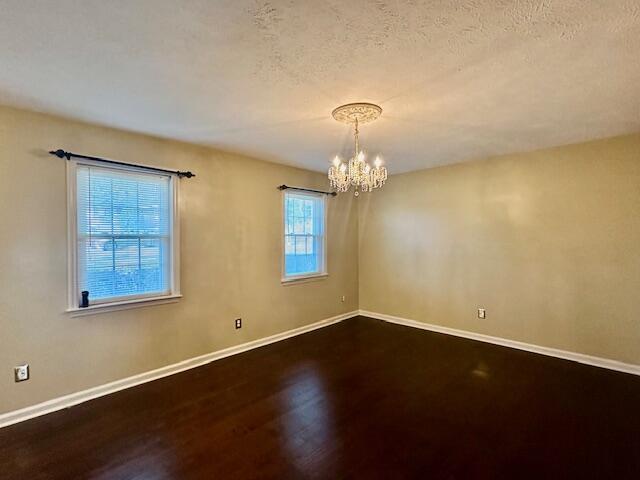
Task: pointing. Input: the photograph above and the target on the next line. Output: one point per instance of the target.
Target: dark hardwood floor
(360, 399)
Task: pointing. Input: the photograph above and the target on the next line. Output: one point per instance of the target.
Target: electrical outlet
(343, 298)
(482, 313)
(238, 323)
(21, 373)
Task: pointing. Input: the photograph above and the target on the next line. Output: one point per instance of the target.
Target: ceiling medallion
(357, 171)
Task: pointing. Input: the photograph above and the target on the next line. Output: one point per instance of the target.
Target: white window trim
(293, 279)
(123, 305)
(303, 278)
(120, 303)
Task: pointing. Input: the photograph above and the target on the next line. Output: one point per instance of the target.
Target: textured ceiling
(457, 80)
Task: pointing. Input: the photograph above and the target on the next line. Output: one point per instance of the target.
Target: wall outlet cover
(21, 373)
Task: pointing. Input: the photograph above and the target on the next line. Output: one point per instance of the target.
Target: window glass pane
(126, 266)
(93, 203)
(124, 221)
(290, 245)
(124, 202)
(153, 208)
(95, 258)
(304, 230)
(152, 250)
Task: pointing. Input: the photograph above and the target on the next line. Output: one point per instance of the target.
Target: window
(122, 242)
(304, 235)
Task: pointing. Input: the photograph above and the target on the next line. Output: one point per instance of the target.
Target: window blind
(123, 233)
(304, 233)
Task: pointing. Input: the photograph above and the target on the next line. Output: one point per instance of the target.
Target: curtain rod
(63, 154)
(286, 187)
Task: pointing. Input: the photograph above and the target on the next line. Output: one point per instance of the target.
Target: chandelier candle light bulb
(356, 171)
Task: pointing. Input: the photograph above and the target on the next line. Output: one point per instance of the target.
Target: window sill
(123, 305)
(304, 279)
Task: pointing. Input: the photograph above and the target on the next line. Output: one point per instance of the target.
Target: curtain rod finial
(60, 154)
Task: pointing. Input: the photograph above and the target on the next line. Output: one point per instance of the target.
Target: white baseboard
(552, 352)
(72, 399)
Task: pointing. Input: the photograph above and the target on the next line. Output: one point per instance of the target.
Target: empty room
(251, 239)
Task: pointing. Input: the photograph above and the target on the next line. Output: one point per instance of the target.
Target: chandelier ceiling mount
(360, 113)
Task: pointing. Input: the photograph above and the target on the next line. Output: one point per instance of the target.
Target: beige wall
(231, 261)
(548, 242)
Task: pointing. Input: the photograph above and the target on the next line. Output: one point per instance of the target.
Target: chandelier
(357, 171)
